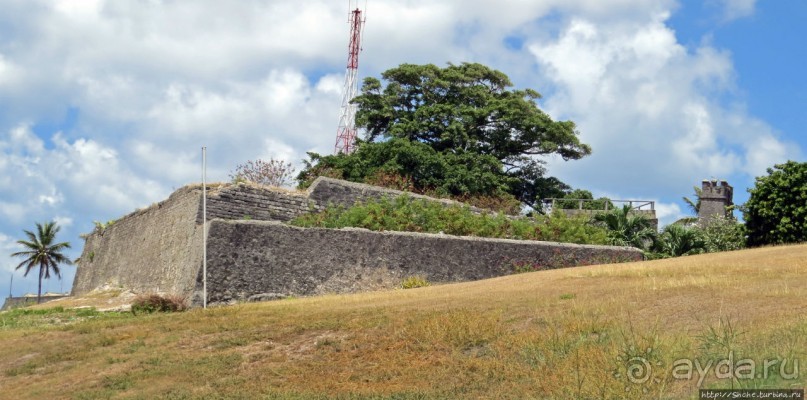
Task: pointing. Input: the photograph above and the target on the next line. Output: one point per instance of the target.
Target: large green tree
(41, 250)
(776, 211)
(459, 130)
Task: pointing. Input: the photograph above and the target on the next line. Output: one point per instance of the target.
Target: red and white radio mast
(346, 133)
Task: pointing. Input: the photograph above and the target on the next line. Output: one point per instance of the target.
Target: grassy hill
(574, 333)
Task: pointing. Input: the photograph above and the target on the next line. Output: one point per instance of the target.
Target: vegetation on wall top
(416, 215)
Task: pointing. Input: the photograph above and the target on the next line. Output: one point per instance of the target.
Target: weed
(414, 282)
(133, 347)
(107, 341)
(720, 340)
(523, 266)
(119, 382)
(101, 226)
(114, 360)
(27, 368)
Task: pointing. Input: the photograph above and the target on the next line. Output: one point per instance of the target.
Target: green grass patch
(21, 318)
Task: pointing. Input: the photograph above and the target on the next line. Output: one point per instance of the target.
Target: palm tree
(627, 229)
(694, 205)
(41, 251)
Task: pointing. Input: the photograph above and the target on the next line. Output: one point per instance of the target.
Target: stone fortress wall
(253, 255)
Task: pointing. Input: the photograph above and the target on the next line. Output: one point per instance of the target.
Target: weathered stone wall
(246, 201)
(158, 249)
(250, 260)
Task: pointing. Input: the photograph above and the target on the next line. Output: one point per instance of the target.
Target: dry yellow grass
(560, 334)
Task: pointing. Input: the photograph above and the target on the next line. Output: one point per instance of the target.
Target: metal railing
(638, 205)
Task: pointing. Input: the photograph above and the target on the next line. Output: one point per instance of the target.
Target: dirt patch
(301, 347)
(103, 299)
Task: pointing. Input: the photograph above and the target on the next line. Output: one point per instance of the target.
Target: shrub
(678, 240)
(150, 303)
(414, 282)
(270, 173)
(723, 234)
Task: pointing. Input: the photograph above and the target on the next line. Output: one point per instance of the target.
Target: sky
(105, 105)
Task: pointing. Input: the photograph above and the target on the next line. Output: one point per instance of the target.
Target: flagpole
(204, 226)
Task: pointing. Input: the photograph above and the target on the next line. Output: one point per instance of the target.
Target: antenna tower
(346, 132)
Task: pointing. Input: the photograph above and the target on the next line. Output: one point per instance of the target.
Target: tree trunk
(39, 292)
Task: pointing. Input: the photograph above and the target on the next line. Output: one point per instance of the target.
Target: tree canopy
(459, 130)
(776, 211)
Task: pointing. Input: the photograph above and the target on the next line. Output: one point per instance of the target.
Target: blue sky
(104, 105)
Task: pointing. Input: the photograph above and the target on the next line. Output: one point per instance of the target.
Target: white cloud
(698, 146)
(735, 9)
(53, 199)
(14, 212)
(8, 72)
(78, 8)
(649, 107)
(94, 174)
(81, 175)
(765, 151)
(668, 213)
(63, 222)
(8, 245)
(20, 139)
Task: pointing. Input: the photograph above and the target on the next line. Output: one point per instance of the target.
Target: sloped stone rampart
(329, 191)
(253, 259)
(157, 249)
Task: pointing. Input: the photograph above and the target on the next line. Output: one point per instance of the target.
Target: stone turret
(715, 199)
